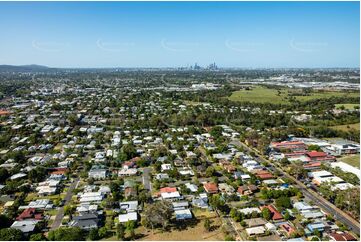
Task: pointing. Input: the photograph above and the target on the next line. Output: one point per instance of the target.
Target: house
(30, 213)
(255, 230)
(170, 194)
(191, 187)
(26, 226)
(161, 176)
(249, 210)
(130, 206)
(320, 156)
(86, 221)
(166, 167)
(255, 222)
(127, 171)
(183, 214)
(289, 145)
(98, 172)
(264, 175)
(317, 225)
(288, 229)
(131, 216)
(210, 187)
(91, 197)
(39, 204)
(344, 148)
(274, 212)
(86, 208)
(225, 188)
(247, 190)
(341, 236)
(180, 205)
(201, 201)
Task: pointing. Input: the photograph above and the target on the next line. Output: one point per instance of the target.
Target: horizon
(248, 35)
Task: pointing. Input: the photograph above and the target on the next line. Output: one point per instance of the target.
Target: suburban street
(59, 216)
(311, 195)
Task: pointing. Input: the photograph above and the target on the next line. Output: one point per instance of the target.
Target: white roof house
(170, 195)
(183, 214)
(130, 206)
(132, 216)
(25, 226)
(256, 230)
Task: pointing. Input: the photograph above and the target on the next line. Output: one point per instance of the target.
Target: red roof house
(168, 189)
(274, 212)
(30, 213)
(344, 236)
(210, 187)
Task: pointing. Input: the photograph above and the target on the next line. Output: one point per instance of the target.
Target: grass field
(259, 94)
(348, 106)
(347, 127)
(353, 160)
(195, 231)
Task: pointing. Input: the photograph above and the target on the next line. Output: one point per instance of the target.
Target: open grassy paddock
(348, 106)
(259, 94)
(347, 127)
(353, 160)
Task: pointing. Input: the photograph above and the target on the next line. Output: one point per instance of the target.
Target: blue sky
(173, 34)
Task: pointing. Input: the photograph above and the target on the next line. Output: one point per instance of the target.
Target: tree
(130, 226)
(103, 232)
(287, 216)
(120, 231)
(207, 224)
(283, 202)
(216, 132)
(314, 148)
(157, 215)
(5, 221)
(4, 174)
(229, 238)
(69, 210)
(66, 234)
(266, 214)
(93, 234)
(11, 234)
(37, 237)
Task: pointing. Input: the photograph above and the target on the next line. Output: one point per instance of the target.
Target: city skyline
(179, 34)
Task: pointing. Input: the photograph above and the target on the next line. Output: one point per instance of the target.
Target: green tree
(93, 234)
(11, 234)
(37, 237)
(283, 202)
(66, 234)
(266, 214)
(120, 231)
(207, 224)
(157, 215)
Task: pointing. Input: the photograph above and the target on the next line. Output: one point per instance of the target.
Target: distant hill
(24, 68)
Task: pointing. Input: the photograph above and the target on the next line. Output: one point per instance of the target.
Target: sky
(179, 34)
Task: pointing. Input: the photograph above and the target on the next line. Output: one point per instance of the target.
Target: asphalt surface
(313, 196)
(60, 215)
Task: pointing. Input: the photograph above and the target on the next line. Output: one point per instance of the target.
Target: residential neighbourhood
(87, 161)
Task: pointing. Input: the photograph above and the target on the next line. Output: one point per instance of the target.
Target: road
(59, 216)
(312, 195)
(146, 178)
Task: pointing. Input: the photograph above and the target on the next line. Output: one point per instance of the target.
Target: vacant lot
(259, 94)
(348, 106)
(353, 160)
(188, 230)
(347, 127)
